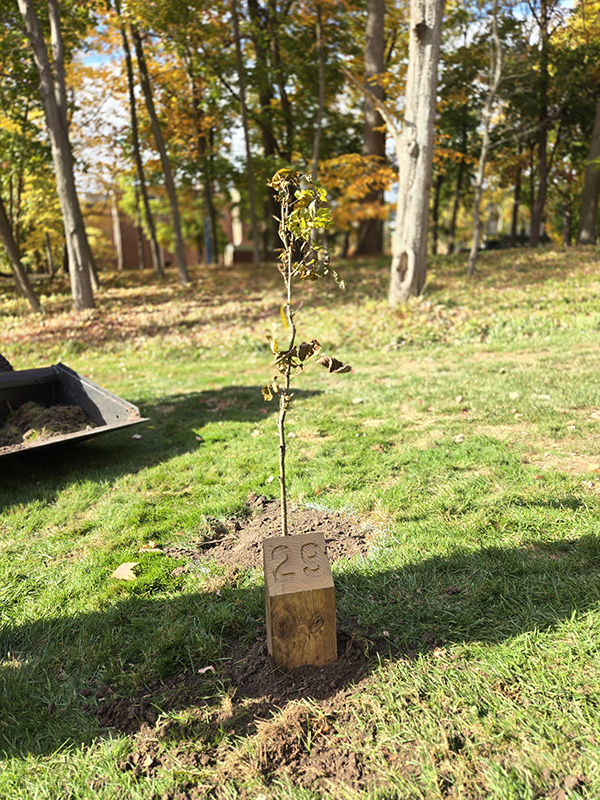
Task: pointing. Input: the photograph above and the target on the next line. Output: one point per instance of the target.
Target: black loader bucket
(25, 393)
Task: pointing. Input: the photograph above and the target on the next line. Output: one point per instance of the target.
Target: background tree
(370, 234)
(409, 249)
(51, 70)
(488, 109)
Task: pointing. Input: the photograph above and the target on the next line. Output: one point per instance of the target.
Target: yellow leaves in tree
(352, 178)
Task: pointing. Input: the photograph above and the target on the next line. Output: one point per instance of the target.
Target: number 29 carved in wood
(300, 603)
(286, 565)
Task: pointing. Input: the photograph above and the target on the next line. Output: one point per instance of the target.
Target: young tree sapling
(301, 256)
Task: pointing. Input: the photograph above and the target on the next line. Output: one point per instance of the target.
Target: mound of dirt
(35, 423)
(238, 542)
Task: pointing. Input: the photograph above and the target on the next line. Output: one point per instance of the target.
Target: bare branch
(395, 129)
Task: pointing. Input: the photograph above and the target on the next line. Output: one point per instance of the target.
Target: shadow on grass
(171, 432)
(60, 675)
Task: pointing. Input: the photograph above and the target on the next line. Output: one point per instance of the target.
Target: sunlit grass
(466, 436)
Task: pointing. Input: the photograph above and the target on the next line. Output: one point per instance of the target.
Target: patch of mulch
(33, 422)
(239, 542)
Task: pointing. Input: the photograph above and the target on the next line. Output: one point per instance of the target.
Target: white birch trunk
(409, 244)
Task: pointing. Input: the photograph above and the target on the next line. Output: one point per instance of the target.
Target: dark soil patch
(35, 423)
(306, 742)
(238, 542)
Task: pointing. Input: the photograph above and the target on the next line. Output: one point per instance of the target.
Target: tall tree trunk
(53, 94)
(370, 235)
(531, 183)
(49, 256)
(203, 150)
(485, 144)
(514, 221)
(566, 221)
(539, 204)
(591, 188)
(116, 226)
(457, 194)
(137, 153)
(139, 233)
(23, 284)
(164, 160)
(246, 127)
(265, 101)
(280, 79)
(436, 213)
(409, 259)
(321, 98)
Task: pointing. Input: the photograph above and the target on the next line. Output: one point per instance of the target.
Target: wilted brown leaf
(267, 393)
(308, 349)
(334, 364)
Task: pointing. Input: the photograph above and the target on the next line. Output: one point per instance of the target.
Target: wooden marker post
(300, 601)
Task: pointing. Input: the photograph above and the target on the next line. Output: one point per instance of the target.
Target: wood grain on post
(299, 600)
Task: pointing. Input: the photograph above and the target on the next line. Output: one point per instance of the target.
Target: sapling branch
(302, 215)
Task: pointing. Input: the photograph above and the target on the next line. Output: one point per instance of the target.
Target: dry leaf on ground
(125, 571)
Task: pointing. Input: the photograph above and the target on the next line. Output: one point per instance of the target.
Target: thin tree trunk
(164, 160)
(456, 199)
(591, 188)
(321, 99)
(49, 256)
(265, 101)
(485, 144)
(137, 155)
(116, 226)
(409, 259)
(246, 128)
(280, 79)
(514, 222)
(539, 204)
(436, 213)
(370, 235)
(23, 284)
(566, 221)
(204, 160)
(53, 94)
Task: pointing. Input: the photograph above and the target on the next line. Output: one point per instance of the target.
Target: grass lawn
(467, 441)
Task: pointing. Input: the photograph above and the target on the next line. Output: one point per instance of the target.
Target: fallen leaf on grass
(459, 438)
(150, 547)
(204, 670)
(125, 571)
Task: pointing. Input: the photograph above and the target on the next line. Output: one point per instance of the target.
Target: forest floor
(455, 474)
